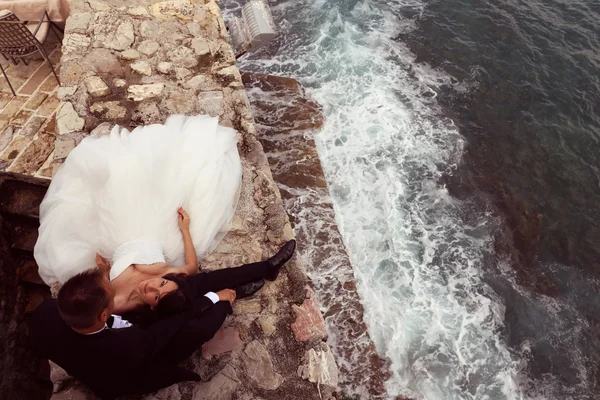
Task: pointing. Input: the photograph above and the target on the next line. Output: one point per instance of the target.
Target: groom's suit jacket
(112, 362)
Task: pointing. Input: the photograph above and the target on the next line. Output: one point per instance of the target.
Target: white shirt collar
(98, 331)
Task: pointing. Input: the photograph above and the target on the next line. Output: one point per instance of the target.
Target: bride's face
(153, 289)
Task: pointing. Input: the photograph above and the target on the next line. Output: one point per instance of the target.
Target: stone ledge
(120, 76)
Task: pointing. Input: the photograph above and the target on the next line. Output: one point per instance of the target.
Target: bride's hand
(183, 219)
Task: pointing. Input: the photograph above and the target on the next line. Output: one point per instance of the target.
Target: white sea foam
(384, 147)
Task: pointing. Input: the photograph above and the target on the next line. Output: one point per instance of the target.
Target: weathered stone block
(66, 91)
(102, 61)
(98, 5)
(309, 322)
(36, 101)
(319, 366)
(71, 73)
(78, 22)
(149, 28)
(211, 103)
(32, 126)
(178, 103)
(259, 366)
(67, 120)
(34, 155)
(138, 11)
(101, 130)
(247, 307)
(122, 38)
(146, 113)
(6, 137)
(224, 341)
(75, 42)
(200, 47)
(142, 92)
(182, 74)
(16, 145)
(96, 87)
(202, 82)
(148, 47)
(63, 146)
(119, 82)
(183, 56)
(182, 9)
(164, 67)
(130, 54)
(142, 68)
(109, 109)
(267, 327)
(220, 387)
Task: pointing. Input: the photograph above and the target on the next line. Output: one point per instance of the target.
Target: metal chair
(19, 39)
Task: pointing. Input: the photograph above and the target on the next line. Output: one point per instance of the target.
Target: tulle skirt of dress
(128, 186)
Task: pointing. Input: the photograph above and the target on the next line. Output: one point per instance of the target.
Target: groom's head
(86, 300)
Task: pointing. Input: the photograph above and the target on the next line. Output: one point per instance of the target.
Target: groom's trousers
(202, 328)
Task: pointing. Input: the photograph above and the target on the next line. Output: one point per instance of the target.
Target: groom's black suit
(138, 360)
(117, 362)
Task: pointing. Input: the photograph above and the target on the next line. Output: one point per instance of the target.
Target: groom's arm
(139, 345)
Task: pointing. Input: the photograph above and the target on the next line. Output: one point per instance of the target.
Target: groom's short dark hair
(82, 298)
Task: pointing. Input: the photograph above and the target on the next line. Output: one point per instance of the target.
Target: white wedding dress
(118, 195)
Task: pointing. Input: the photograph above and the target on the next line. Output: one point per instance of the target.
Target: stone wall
(138, 64)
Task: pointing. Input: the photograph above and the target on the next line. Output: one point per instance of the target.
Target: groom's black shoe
(278, 260)
(248, 289)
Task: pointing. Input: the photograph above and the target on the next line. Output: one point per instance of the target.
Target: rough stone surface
(202, 82)
(75, 42)
(146, 113)
(67, 120)
(267, 327)
(164, 67)
(102, 61)
(259, 367)
(149, 28)
(247, 307)
(319, 366)
(225, 340)
(119, 83)
(220, 387)
(148, 47)
(138, 11)
(142, 68)
(102, 129)
(183, 56)
(78, 22)
(309, 322)
(130, 54)
(109, 109)
(96, 86)
(122, 38)
(142, 92)
(211, 103)
(200, 46)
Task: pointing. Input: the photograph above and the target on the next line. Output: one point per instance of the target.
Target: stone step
(22, 231)
(21, 197)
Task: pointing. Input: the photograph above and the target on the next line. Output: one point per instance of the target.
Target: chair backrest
(15, 38)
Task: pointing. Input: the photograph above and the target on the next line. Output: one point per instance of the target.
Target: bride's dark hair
(175, 302)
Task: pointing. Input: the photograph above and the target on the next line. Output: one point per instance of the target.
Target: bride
(119, 195)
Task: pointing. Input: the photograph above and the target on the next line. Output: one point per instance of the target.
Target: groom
(78, 333)
(115, 358)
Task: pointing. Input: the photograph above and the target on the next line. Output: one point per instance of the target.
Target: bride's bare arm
(191, 261)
